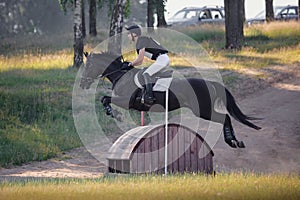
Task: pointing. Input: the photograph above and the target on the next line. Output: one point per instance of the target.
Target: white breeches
(161, 62)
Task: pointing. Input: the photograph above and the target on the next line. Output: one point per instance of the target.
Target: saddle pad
(162, 84)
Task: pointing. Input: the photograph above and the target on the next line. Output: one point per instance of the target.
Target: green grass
(36, 115)
(36, 83)
(186, 186)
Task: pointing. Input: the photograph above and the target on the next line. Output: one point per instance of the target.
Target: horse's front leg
(106, 101)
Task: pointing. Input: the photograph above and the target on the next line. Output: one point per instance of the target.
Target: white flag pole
(166, 131)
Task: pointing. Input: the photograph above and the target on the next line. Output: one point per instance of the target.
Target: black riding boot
(148, 98)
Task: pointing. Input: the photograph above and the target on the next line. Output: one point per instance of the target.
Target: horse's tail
(236, 112)
(233, 108)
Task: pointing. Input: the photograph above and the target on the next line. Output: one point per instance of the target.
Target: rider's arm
(139, 60)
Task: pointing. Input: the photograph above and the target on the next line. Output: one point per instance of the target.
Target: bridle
(103, 76)
(110, 73)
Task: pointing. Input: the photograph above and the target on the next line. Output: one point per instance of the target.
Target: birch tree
(78, 37)
(116, 26)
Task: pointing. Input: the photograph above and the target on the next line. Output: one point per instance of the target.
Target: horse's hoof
(102, 99)
(233, 144)
(241, 144)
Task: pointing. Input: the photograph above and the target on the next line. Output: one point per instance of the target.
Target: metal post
(166, 131)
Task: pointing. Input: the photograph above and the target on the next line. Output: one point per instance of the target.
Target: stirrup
(149, 101)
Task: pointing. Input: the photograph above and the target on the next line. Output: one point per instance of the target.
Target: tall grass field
(185, 186)
(36, 82)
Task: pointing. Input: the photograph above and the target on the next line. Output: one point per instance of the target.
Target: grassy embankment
(187, 186)
(36, 83)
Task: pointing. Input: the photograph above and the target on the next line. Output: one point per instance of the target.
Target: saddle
(160, 77)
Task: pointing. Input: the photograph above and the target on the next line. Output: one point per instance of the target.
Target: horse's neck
(114, 77)
(125, 86)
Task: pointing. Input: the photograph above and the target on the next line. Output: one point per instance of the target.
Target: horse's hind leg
(229, 135)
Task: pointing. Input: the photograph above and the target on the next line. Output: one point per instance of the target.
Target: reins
(104, 76)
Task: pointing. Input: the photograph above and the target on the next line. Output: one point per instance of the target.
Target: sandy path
(275, 148)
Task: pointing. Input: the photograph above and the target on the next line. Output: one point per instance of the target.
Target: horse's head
(98, 64)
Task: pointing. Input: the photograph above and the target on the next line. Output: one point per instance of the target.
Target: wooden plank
(161, 153)
(111, 167)
(141, 156)
(181, 149)
(201, 154)
(154, 151)
(134, 162)
(194, 153)
(208, 162)
(211, 164)
(175, 156)
(187, 147)
(119, 166)
(147, 152)
(170, 150)
(206, 159)
(126, 166)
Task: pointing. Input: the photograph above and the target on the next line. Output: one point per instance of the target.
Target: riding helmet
(135, 29)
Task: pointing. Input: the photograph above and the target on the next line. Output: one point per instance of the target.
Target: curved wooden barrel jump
(142, 150)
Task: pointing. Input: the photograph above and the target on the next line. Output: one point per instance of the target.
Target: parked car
(192, 16)
(281, 13)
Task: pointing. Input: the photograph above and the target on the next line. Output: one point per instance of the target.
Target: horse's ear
(86, 54)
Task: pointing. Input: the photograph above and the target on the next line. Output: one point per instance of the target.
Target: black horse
(199, 95)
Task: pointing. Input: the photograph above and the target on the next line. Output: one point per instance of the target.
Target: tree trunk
(298, 10)
(78, 39)
(116, 26)
(269, 11)
(234, 23)
(92, 18)
(160, 11)
(83, 19)
(150, 13)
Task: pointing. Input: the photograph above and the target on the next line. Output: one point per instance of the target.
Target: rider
(146, 46)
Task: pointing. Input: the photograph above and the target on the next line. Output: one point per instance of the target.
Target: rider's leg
(161, 62)
(148, 97)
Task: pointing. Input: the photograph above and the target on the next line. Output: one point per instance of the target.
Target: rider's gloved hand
(126, 66)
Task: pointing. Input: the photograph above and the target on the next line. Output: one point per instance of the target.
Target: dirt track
(275, 148)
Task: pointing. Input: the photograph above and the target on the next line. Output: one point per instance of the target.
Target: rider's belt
(154, 57)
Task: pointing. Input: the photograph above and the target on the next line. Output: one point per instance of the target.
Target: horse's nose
(82, 85)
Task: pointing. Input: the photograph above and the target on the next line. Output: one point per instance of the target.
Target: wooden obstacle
(142, 150)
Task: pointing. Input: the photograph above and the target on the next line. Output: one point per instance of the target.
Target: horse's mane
(98, 63)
